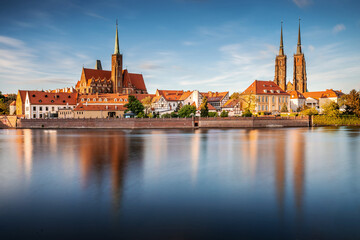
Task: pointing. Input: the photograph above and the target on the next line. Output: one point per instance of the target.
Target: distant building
(233, 107)
(12, 108)
(320, 98)
(300, 78)
(216, 99)
(40, 104)
(166, 101)
(118, 80)
(269, 97)
(94, 111)
(297, 100)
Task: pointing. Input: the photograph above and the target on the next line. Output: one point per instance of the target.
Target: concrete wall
(8, 121)
(256, 122)
(106, 123)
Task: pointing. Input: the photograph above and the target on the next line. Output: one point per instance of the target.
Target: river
(286, 183)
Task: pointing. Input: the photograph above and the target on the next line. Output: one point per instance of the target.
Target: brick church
(118, 80)
(299, 80)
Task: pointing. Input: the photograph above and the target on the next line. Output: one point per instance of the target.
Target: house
(297, 100)
(268, 97)
(40, 104)
(94, 111)
(320, 98)
(166, 101)
(216, 99)
(12, 108)
(190, 97)
(20, 103)
(233, 107)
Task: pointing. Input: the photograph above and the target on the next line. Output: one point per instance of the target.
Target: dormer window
(88, 99)
(272, 91)
(265, 91)
(121, 99)
(82, 99)
(46, 96)
(40, 100)
(100, 99)
(94, 99)
(52, 101)
(115, 100)
(63, 101)
(278, 91)
(105, 100)
(33, 95)
(69, 96)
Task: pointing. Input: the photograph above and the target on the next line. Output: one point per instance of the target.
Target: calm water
(294, 183)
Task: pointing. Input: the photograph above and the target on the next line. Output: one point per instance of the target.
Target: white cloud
(338, 28)
(311, 48)
(302, 3)
(12, 42)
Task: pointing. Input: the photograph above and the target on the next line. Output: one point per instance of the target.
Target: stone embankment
(167, 123)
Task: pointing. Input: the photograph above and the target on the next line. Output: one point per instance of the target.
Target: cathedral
(118, 80)
(299, 80)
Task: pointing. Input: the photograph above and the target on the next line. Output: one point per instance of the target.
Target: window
(105, 100)
(266, 107)
(115, 100)
(52, 101)
(267, 98)
(262, 107)
(34, 116)
(88, 99)
(40, 108)
(34, 108)
(46, 96)
(100, 99)
(52, 108)
(262, 98)
(94, 99)
(40, 115)
(46, 109)
(82, 99)
(40, 100)
(273, 99)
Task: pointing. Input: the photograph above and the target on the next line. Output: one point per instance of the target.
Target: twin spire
(116, 51)
(281, 50)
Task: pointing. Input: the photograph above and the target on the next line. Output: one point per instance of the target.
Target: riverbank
(161, 123)
(322, 120)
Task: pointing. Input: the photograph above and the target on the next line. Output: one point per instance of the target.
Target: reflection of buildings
(280, 169)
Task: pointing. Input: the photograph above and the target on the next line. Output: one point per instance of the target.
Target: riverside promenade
(159, 123)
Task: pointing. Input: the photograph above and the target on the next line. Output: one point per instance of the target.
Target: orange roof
(170, 95)
(13, 103)
(214, 96)
(96, 73)
(134, 79)
(264, 87)
(84, 107)
(231, 103)
(111, 97)
(185, 95)
(329, 93)
(210, 107)
(296, 95)
(23, 95)
(46, 98)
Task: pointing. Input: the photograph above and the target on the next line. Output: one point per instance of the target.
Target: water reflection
(190, 184)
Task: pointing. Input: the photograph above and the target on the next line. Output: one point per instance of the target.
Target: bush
(174, 115)
(224, 114)
(309, 112)
(284, 108)
(331, 109)
(187, 111)
(324, 120)
(141, 115)
(212, 114)
(166, 115)
(247, 113)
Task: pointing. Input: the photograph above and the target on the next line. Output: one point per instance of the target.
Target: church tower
(117, 66)
(280, 65)
(300, 79)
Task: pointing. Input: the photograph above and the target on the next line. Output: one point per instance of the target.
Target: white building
(166, 101)
(297, 100)
(40, 104)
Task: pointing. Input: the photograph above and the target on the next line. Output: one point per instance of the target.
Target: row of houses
(266, 96)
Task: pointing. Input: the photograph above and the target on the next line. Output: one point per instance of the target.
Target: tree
(204, 110)
(235, 95)
(3, 107)
(284, 108)
(247, 113)
(352, 102)
(331, 109)
(134, 105)
(224, 114)
(187, 110)
(166, 115)
(249, 102)
(309, 112)
(174, 115)
(147, 104)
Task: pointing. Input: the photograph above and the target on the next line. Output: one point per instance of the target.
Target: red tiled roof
(170, 95)
(210, 107)
(96, 73)
(46, 98)
(185, 95)
(214, 96)
(84, 107)
(231, 103)
(264, 88)
(110, 97)
(329, 93)
(296, 95)
(23, 95)
(13, 103)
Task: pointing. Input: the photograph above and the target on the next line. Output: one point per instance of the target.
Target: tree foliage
(284, 108)
(247, 113)
(134, 105)
(204, 110)
(352, 102)
(331, 109)
(235, 95)
(147, 103)
(212, 114)
(309, 112)
(224, 113)
(249, 102)
(187, 111)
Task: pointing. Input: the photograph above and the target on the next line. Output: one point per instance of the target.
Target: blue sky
(178, 44)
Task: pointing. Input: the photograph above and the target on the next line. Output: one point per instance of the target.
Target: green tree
(204, 110)
(174, 115)
(134, 105)
(141, 115)
(247, 113)
(331, 109)
(309, 112)
(224, 114)
(352, 102)
(187, 111)
(3, 107)
(166, 115)
(212, 114)
(284, 108)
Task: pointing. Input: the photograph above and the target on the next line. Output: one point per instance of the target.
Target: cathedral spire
(116, 51)
(281, 50)
(299, 42)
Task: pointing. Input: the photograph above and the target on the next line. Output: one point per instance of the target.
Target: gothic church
(299, 80)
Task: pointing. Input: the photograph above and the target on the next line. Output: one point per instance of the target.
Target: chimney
(98, 65)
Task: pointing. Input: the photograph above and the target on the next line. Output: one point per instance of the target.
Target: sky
(204, 45)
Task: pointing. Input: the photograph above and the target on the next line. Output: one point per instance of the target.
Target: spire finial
(281, 50)
(299, 41)
(116, 51)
